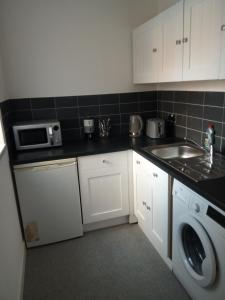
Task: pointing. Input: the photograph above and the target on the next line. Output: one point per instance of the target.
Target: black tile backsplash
(71, 111)
(65, 102)
(109, 99)
(42, 103)
(193, 112)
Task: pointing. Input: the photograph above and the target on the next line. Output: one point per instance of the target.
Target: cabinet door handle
(178, 42)
(148, 208)
(105, 161)
(155, 174)
(138, 162)
(185, 40)
(144, 203)
(154, 50)
(223, 27)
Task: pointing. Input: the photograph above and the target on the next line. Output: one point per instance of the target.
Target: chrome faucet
(209, 149)
(194, 142)
(211, 152)
(210, 141)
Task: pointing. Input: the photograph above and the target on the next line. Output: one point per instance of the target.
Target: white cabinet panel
(104, 190)
(146, 52)
(202, 39)
(159, 208)
(171, 23)
(142, 194)
(151, 202)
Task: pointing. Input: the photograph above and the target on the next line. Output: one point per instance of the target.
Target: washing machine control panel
(197, 206)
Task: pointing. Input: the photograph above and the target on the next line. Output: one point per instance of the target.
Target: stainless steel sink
(190, 160)
(178, 151)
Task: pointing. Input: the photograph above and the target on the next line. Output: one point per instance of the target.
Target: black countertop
(213, 190)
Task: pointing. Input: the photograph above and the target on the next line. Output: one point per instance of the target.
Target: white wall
(3, 94)
(70, 47)
(12, 251)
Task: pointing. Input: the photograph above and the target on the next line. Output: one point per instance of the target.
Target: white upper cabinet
(171, 24)
(188, 40)
(202, 39)
(146, 52)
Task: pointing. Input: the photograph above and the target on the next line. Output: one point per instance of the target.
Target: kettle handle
(141, 122)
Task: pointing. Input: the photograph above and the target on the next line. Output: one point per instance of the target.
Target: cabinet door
(202, 39)
(146, 52)
(104, 192)
(222, 61)
(159, 209)
(143, 194)
(171, 23)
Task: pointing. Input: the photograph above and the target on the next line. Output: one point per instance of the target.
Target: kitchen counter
(213, 190)
(86, 147)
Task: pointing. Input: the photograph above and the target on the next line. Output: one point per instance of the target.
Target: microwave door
(33, 138)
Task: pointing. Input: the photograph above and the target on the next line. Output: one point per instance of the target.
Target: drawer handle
(105, 161)
(178, 42)
(144, 203)
(148, 208)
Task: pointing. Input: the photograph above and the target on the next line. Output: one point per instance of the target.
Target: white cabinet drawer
(101, 161)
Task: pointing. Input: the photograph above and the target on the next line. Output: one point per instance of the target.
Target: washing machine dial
(196, 207)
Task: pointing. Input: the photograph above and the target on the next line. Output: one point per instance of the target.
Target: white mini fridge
(49, 201)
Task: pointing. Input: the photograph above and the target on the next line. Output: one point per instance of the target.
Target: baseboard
(106, 223)
(22, 276)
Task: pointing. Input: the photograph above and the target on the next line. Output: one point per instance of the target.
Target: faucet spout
(211, 152)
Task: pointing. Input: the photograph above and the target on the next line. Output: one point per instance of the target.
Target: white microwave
(37, 135)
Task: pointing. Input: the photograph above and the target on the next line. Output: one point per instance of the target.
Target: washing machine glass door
(196, 251)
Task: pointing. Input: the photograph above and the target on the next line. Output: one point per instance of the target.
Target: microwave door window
(36, 136)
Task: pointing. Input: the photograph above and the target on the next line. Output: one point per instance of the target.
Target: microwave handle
(50, 132)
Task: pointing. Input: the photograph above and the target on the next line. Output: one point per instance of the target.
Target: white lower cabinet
(151, 203)
(104, 186)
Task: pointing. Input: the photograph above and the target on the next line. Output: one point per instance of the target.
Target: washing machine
(198, 256)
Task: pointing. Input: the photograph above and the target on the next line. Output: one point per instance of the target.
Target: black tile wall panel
(214, 99)
(128, 97)
(147, 96)
(88, 100)
(88, 111)
(43, 114)
(72, 110)
(194, 123)
(109, 99)
(22, 104)
(65, 102)
(67, 113)
(109, 109)
(42, 103)
(213, 113)
(193, 112)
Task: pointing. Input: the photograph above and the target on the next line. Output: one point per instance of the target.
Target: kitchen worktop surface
(213, 190)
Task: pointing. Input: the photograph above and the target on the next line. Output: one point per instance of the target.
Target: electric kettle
(136, 126)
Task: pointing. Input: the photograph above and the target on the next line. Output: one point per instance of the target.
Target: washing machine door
(196, 251)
